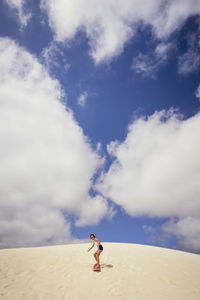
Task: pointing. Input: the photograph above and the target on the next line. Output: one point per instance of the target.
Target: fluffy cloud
(187, 230)
(46, 162)
(156, 171)
(18, 5)
(109, 24)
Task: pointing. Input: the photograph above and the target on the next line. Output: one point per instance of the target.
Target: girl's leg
(97, 257)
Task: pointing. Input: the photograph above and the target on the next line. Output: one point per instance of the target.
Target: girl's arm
(91, 247)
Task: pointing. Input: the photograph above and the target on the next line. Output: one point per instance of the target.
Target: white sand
(129, 271)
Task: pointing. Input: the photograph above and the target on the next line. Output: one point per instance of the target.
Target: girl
(99, 248)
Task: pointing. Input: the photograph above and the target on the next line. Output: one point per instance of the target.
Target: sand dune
(129, 271)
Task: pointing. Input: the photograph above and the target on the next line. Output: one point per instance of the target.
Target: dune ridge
(129, 271)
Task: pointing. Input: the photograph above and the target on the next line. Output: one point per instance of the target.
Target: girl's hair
(92, 235)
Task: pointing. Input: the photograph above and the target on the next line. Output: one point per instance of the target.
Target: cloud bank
(47, 163)
(110, 24)
(156, 173)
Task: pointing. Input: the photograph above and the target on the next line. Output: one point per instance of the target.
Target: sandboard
(95, 268)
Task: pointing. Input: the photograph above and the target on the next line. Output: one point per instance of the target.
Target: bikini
(101, 247)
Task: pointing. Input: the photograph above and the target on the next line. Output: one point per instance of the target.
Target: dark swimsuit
(101, 247)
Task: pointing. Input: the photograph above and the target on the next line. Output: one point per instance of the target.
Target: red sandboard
(95, 268)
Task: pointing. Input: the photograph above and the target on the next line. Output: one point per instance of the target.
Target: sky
(99, 122)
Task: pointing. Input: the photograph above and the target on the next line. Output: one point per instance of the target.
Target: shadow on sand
(106, 266)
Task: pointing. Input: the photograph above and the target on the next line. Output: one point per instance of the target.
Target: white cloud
(98, 207)
(46, 162)
(144, 64)
(18, 5)
(109, 24)
(173, 14)
(50, 56)
(162, 49)
(197, 94)
(189, 61)
(156, 235)
(53, 58)
(67, 67)
(82, 99)
(187, 230)
(147, 65)
(104, 27)
(157, 168)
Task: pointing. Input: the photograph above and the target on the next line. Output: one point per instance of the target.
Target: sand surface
(129, 271)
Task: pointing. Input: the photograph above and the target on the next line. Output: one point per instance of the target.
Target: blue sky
(100, 122)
